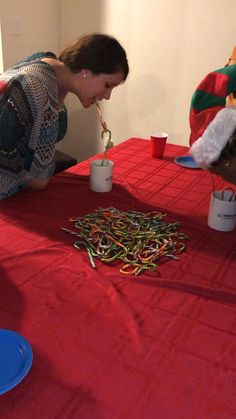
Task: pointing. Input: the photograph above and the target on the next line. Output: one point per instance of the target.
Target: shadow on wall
(137, 109)
(146, 108)
(148, 103)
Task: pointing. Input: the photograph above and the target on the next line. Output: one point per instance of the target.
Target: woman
(33, 117)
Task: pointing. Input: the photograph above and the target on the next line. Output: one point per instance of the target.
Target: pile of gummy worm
(135, 240)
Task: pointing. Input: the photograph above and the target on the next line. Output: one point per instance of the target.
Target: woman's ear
(231, 99)
(86, 73)
(232, 58)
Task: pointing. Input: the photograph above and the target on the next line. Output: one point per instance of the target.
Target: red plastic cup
(158, 143)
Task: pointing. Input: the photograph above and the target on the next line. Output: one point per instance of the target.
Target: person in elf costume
(213, 122)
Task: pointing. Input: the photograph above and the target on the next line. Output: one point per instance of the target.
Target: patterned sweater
(30, 123)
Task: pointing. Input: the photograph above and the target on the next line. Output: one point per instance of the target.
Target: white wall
(28, 26)
(1, 55)
(171, 45)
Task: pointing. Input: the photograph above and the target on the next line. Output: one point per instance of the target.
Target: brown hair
(97, 53)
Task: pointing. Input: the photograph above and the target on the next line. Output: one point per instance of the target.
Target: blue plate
(15, 359)
(187, 161)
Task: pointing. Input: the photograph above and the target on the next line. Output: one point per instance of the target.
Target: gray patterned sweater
(30, 123)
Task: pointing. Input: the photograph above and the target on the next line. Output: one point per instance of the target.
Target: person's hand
(38, 184)
(227, 174)
(225, 167)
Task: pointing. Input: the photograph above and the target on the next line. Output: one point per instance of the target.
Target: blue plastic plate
(15, 359)
(187, 161)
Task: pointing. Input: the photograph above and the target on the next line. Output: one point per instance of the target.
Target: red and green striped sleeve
(209, 98)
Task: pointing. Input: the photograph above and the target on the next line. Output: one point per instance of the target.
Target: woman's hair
(97, 53)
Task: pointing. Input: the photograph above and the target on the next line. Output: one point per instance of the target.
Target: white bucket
(101, 172)
(222, 210)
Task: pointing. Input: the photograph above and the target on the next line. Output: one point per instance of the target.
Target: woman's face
(96, 86)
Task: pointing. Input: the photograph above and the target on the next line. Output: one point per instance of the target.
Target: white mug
(222, 210)
(101, 172)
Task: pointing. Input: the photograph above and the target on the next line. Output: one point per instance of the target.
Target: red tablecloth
(110, 346)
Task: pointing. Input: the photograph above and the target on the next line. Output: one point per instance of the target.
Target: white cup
(222, 210)
(101, 172)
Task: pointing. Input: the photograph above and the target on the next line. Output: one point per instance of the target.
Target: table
(107, 345)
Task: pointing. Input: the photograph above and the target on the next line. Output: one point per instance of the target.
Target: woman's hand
(38, 184)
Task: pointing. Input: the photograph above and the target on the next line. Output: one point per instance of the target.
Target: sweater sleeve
(43, 134)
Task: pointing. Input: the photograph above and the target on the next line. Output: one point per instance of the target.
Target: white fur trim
(208, 147)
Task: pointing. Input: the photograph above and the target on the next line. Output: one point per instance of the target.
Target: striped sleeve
(210, 97)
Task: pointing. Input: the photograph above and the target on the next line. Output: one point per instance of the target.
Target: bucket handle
(233, 196)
